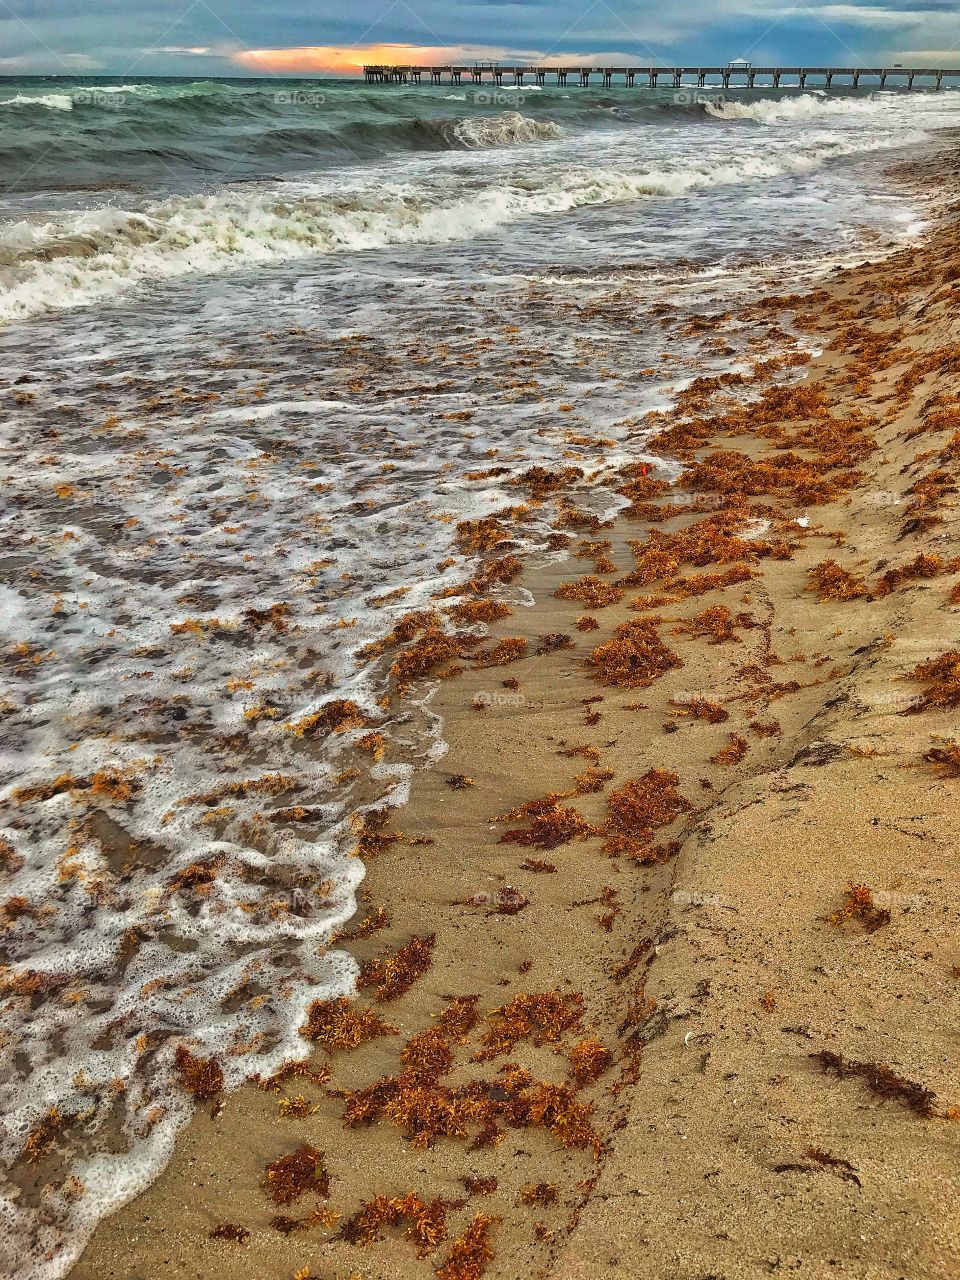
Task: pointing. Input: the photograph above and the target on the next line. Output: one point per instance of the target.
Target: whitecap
(80, 259)
(51, 101)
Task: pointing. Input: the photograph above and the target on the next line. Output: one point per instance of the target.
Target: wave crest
(783, 110)
(507, 129)
(49, 101)
(79, 259)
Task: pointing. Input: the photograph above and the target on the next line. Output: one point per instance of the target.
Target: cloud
(274, 36)
(201, 52)
(75, 62)
(859, 16)
(933, 58)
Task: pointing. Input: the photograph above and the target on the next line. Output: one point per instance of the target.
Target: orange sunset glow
(348, 61)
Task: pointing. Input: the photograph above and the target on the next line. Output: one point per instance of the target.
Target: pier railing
(727, 77)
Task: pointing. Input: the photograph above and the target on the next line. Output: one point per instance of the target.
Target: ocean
(266, 349)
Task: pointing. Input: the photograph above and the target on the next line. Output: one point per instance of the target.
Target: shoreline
(709, 975)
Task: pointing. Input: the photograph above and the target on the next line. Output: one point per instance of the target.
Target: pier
(731, 76)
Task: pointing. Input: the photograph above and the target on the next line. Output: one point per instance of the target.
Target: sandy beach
(660, 964)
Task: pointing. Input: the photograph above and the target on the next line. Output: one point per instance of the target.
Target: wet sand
(781, 1050)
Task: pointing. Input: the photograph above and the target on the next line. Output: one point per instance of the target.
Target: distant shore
(660, 964)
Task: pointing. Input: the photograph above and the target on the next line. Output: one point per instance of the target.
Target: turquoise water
(161, 135)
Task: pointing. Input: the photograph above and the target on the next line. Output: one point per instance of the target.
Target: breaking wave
(84, 258)
(504, 130)
(808, 107)
(47, 101)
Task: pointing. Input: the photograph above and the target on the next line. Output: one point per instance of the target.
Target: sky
(208, 38)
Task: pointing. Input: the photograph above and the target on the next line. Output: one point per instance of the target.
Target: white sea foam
(214, 510)
(505, 130)
(50, 101)
(67, 101)
(805, 107)
(86, 258)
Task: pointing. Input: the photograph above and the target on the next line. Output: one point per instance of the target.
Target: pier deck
(699, 77)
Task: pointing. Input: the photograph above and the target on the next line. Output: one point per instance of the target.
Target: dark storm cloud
(206, 36)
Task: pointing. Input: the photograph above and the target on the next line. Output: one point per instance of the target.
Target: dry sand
(725, 1146)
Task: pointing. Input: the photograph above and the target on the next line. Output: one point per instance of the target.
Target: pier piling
(907, 78)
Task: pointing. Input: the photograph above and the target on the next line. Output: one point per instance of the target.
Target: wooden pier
(728, 77)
